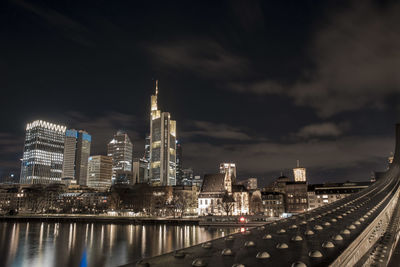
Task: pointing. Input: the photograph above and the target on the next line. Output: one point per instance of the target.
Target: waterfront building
(43, 156)
(273, 203)
(140, 171)
(299, 173)
(162, 145)
(76, 155)
(120, 149)
(323, 194)
(229, 168)
(296, 197)
(217, 190)
(100, 172)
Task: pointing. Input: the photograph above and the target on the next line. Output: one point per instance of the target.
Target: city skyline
(286, 95)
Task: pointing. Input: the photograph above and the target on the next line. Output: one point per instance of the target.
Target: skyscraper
(120, 150)
(100, 172)
(76, 155)
(43, 153)
(179, 172)
(299, 173)
(162, 145)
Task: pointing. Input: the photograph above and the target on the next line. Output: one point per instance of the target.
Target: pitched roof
(213, 183)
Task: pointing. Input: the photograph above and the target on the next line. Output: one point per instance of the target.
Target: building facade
(43, 153)
(273, 203)
(323, 194)
(179, 171)
(140, 171)
(76, 155)
(100, 172)
(162, 145)
(120, 149)
(296, 197)
(299, 173)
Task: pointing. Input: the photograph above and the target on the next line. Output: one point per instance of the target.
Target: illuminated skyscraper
(100, 172)
(76, 155)
(120, 150)
(179, 171)
(43, 153)
(162, 145)
(299, 173)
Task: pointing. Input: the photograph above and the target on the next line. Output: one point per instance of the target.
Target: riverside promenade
(86, 218)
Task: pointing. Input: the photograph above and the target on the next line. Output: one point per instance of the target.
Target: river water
(94, 244)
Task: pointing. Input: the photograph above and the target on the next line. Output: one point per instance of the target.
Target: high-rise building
(100, 172)
(299, 173)
(140, 171)
(120, 150)
(229, 168)
(43, 153)
(187, 176)
(179, 172)
(162, 145)
(76, 155)
(147, 148)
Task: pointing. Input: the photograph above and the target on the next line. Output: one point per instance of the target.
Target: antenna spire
(298, 163)
(156, 87)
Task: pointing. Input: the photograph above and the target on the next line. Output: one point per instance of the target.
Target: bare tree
(227, 203)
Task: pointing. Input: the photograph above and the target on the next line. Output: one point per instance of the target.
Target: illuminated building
(76, 155)
(120, 150)
(162, 145)
(43, 153)
(100, 172)
(299, 173)
(323, 194)
(187, 176)
(179, 171)
(140, 171)
(229, 168)
(273, 203)
(213, 190)
(296, 197)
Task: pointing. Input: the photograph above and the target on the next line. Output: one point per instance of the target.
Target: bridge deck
(352, 215)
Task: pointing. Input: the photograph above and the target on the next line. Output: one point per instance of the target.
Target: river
(94, 244)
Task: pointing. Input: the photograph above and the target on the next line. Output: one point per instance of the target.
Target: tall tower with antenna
(162, 145)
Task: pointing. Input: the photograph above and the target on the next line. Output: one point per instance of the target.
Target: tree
(227, 203)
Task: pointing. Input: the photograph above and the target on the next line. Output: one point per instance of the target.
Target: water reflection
(78, 244)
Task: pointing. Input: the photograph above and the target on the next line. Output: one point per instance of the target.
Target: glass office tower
(42, 161)
(162, 145)
(76, 155)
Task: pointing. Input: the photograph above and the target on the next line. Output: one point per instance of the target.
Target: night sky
(259, 83)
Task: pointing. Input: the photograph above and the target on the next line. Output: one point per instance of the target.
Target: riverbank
(97, 219)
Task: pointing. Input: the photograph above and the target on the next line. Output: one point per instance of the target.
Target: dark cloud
(65, 25)
(216, 130)
(356, 62)
(320, 130)
(201, 56)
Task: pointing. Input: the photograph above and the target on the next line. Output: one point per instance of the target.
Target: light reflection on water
(65, 244)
